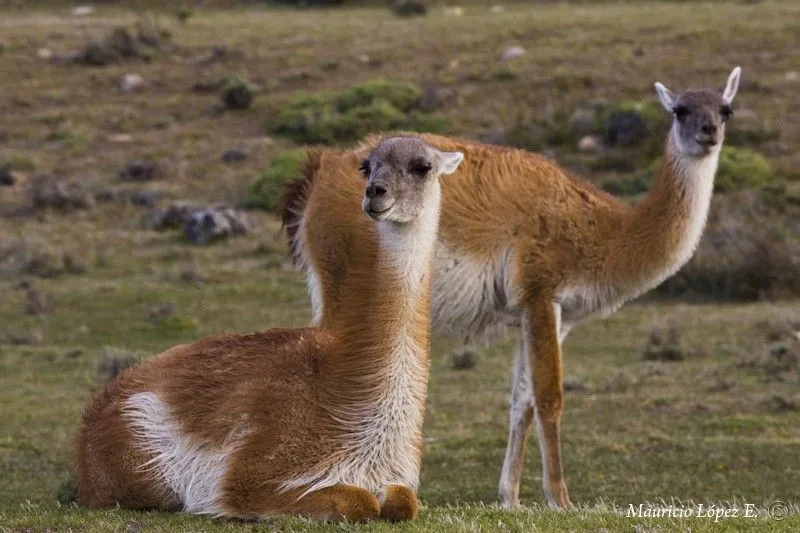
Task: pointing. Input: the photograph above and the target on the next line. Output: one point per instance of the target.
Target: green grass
(705, 429)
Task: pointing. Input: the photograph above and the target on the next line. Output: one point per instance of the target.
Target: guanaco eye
(726, 112)
(364, 168)
(681, 111)
(419, 166)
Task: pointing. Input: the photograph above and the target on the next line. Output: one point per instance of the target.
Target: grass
(704, 429)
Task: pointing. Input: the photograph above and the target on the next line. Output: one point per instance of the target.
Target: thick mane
(294, 199)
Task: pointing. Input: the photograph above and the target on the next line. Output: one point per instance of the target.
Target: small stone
(206, 225)
(497, 9)
(146, 198)
(174, 216)
(10, 177)
(130, 82)
(575, 383)
(792, 75)
(143, 171)
(82, 11)
(409, 8)
(590, 143)
(45, 53)
(108, 195)
(120, 138)
(234, 155)
(453, 11)
(465, 360)
(513, 52)
(206, 86)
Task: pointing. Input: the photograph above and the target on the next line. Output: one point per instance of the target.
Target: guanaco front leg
(543, 319)
(519, 425)
(399, 503)
(337, 503)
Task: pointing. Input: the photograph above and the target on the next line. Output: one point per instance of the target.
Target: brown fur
(276, 394)
(562, 233)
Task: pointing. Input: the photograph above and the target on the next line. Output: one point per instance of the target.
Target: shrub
(741, 168)
(375, 106)
(402, 95)
(237, 92)
(267, 190)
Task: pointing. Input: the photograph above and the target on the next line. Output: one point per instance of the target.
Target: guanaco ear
(732, 86)
(449, 161)
(666, 97)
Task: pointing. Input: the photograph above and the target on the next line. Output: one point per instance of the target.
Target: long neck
(386, 302)
(661, 233)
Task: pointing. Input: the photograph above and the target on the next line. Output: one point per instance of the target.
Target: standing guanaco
(523, 243)
(324, 423)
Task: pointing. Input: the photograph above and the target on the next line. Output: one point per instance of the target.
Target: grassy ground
(722, 425)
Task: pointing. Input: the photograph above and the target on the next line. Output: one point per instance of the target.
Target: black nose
(709, 129)
(375, 189)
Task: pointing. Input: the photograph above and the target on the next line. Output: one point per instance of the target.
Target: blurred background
(144, 146)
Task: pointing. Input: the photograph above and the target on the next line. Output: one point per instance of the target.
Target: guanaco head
(401, 174)
(698, 128)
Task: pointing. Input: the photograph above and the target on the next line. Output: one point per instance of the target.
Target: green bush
(741, 168)
(375, 106)
(267, 190)
(402, 95)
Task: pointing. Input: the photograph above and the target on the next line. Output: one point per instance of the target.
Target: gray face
(401, 173)
(699, 124)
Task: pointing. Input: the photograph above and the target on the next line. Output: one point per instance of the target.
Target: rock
(575, 383)
(453, 11)
(234, 155)
(146, 198)
(590, 144)
(10, 177)
(792, 75)
(121, 44)
(206, 225)
(174, 216)
(409, 8)
(497, 9)
(120, 138)
(96, 55)
(144, 171)
(130, 82)
(82, 11)
(108, 195)
(45, 53)
(465, 359)
(207, 86)
(47, 191)
(513, 52)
